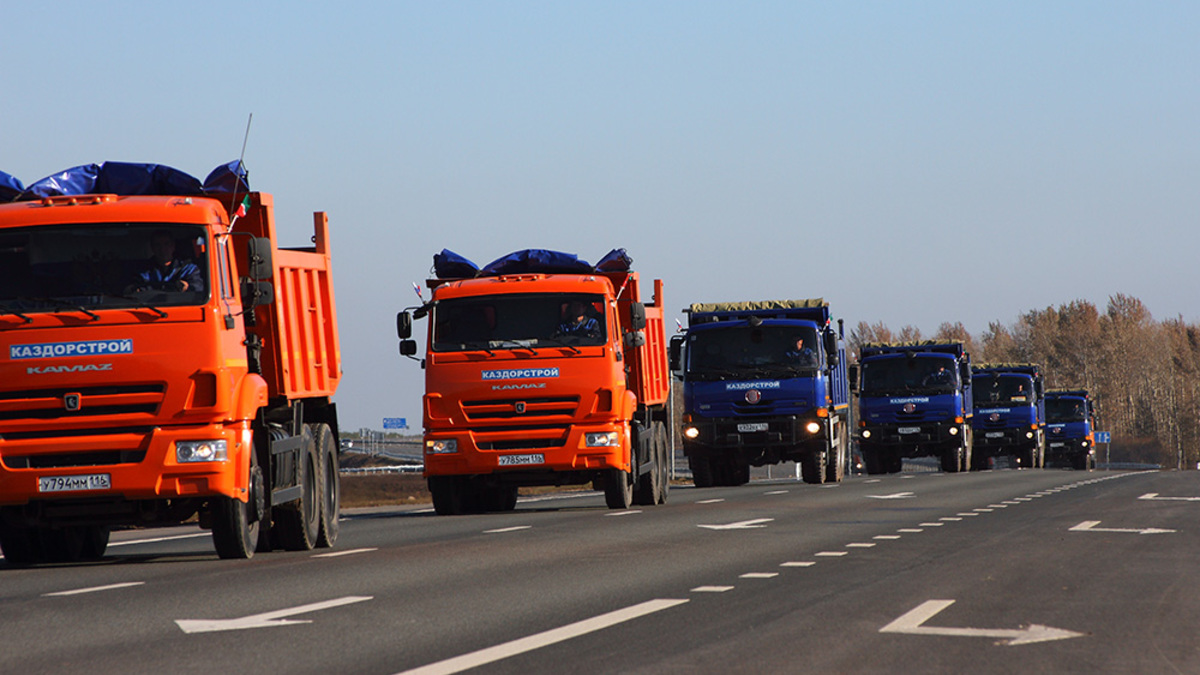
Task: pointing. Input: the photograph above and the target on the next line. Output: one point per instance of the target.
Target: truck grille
(94, 402)
(563, 407)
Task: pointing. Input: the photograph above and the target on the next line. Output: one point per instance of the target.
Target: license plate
(994, 434)
(92, 481)
(521, 460)
(752, 426)
(909, 430)
(1057, 445)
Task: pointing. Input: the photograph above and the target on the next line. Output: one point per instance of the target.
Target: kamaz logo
(46, 370)
(503, 387)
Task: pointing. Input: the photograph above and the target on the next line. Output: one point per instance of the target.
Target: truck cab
(1010, 414)
(1070, 429)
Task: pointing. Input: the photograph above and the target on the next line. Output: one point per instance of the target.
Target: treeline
(1143, 373)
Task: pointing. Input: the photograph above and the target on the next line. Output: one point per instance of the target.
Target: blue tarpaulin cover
(450, 265)
(128, 178)
(535, 260)
(615, 260)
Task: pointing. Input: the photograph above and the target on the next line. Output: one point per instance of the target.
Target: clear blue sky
(911, 162)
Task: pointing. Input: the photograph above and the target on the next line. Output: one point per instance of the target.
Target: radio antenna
(241, 167)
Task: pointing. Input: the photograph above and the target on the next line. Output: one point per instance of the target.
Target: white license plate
(909, 430)
(752, 426)
(1057, 445)
(994, 434)
(92, 481)
(521, 460)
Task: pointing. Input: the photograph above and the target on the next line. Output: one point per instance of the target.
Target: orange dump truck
(161, 358)
(542, 370)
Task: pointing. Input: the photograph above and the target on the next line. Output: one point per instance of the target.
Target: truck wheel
(235, 524)
(618, 488)
(952, 459)
(835, 471)
(447, 499)
(664, 465)
(20, 545)
(331, 500)
(895, 463)
(296, 523)
(500, 498)
(702, 471)
(968, 449)
(812, 467)
(95, 542)
(645, 491)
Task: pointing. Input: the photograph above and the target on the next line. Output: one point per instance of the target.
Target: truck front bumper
(915, 440)
(575, 448)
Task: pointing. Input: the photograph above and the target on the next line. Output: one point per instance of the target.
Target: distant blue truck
(1070, 428)
(763, 383)
(1010, 414)
(914, 400)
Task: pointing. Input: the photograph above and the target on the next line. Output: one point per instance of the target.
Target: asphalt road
(991, 572)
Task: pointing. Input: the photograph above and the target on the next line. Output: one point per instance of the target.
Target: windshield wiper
(513, 344)
(16, 314)
(137, 303)
(69, 305)
(559, 343)
(478, 345)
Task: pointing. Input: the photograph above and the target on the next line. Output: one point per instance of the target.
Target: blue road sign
(1103, 437)
(395, 423)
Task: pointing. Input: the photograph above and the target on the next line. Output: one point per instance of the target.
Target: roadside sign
(395, 423)
(1103, 436)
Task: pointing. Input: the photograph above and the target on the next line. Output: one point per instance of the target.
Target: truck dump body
(542, 378)
(136, 387)
(764, 382)
(914, 401)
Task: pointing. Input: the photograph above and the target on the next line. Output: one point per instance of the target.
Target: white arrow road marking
(264, 620)
(910, 624)
(743, 525)
(539, 640)
(1090, 526)
(1153, 496)
(897, 495)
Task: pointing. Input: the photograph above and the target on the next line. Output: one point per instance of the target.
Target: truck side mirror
(637, 316)
(260, 258)
(635, 339)
(408, 347)
(255, 293)
(675, 350)
(404, 325)
(831, 348)
(852, 373)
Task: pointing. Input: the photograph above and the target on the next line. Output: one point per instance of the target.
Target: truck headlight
(200, 451)
(1028, 434)
(441, 447)
(812, 427)
(953, 431)
(604, 439)
(691, 432)
(866, 433)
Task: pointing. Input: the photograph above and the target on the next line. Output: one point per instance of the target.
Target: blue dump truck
(1070, 425)
(1010, 414)
(914, 400)
(763, 383)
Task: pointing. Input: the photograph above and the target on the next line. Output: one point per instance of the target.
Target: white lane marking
(966, 513)
(266, 619)
(873, 480)
(931, 524)
(710, 501)
(998, 506)
(910, 623)
(981, 510)
(539, 640)
(618, 514)
(831, 554)
(894, 495)
(886, 536)
(742, 525)
(910, 530)
(93, 589)
(712, 589)
(758, 575)
(860, 545)
(951, 519)
(776, 492)
(514, 528)
(798, 563)
(338, 554)
(1153, 496)
(1090, 526)
(155, 540)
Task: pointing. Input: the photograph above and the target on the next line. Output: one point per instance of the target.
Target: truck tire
(952, 459)
(645, 490)
(500, 498)
(812, 467)
(664, 463)
(95, 541)
(331, 499)
(20, 545)
(447, 498)
(618, 488)
(839, 452)
(235, 525)
(968, 449)
(296, 523)
(702, 471)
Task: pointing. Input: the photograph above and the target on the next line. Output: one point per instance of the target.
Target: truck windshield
(1004, 389)
(909, 375)
(745, 351)
(520, 321)
(1059, 410)
(69, 268)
